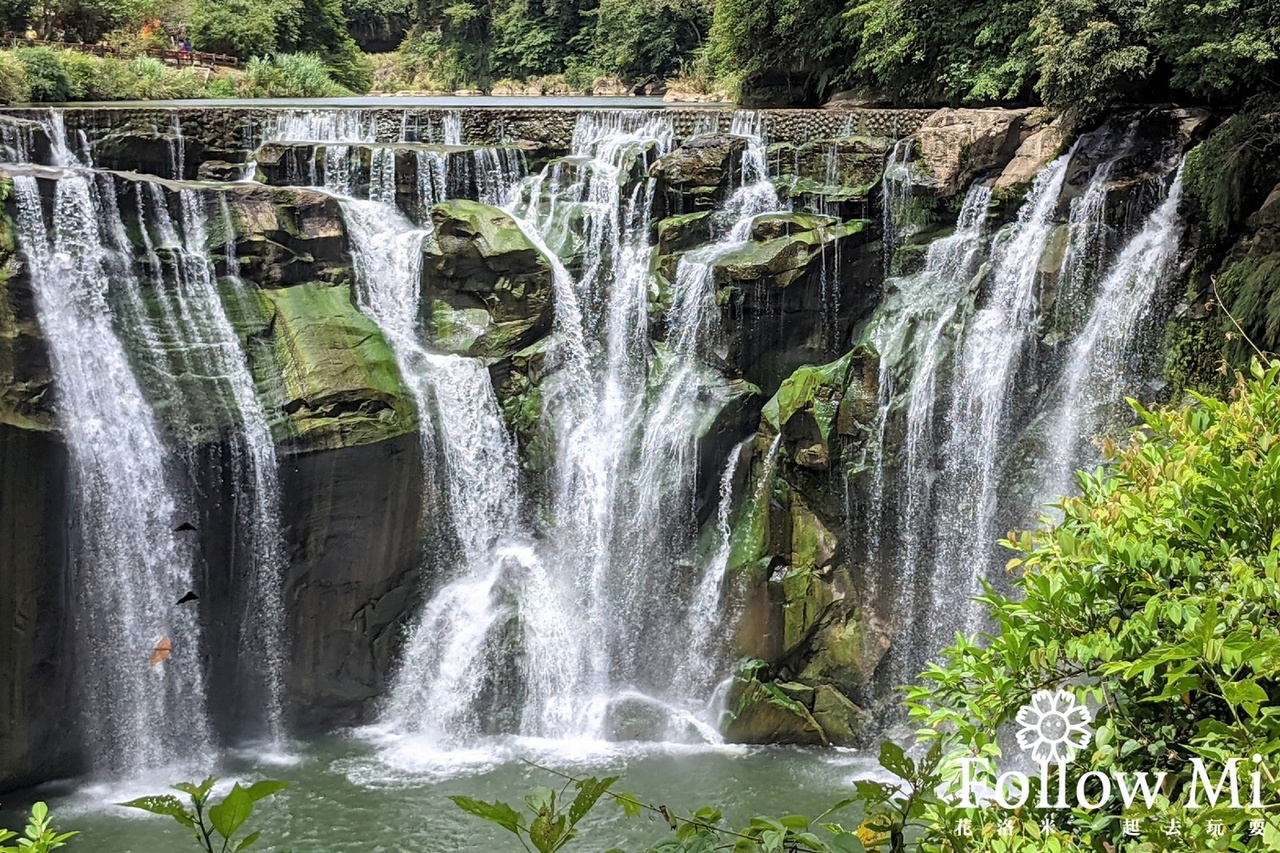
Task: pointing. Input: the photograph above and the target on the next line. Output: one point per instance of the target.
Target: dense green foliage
(462, 44)
(257, 29)
(43, 75)
(46, 79)
(39, 836)
(1155, 598)
(1084, 55)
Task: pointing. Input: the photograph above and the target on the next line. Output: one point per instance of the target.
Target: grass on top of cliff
(46, 75)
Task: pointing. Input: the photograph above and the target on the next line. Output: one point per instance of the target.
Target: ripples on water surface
(384, 793)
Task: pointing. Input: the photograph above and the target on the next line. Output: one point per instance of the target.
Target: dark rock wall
(36, 693)
(353, 534)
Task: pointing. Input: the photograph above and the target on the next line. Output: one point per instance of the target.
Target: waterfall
(130, 568)
(703, 661)
(984, 391)
(437, 688)
(913, 332)
(895, 198)
(1099, 370)
(625, 421)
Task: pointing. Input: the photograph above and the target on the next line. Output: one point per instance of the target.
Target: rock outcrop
(487, 287)
(699, 174)
(957, 145)
(794, 291)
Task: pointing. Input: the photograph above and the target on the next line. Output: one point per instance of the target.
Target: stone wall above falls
(149, 138)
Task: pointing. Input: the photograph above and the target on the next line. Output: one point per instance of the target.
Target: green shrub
(290, 75)
(39, 835)
(1156, 599)
(82, 72)
(13, 80)
(223, 86)
(116, 81)
(46, 78)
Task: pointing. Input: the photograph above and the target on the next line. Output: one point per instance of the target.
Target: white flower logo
(1054, 727)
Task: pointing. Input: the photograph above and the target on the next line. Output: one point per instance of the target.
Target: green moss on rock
(340, 385)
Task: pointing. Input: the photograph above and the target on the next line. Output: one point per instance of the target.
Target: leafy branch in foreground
(39, 836)
(212, 822)
(892, 812)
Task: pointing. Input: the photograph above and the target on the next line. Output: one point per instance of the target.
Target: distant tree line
(1084, 55)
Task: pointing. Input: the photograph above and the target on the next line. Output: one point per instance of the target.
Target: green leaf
(631, 806)
(549, 835)
(265, 788)
(229, 815)
(1246, 692)
(847, 843)
(164, 804)
(541, 800)
(893, 759)
(589, 793)
(247, 841)
(500, 813)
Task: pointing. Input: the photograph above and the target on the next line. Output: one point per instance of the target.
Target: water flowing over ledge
(470, 426)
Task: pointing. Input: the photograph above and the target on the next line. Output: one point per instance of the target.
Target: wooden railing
(194, 57)
(172, 57)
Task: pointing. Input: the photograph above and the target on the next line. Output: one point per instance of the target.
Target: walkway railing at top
(173, 57)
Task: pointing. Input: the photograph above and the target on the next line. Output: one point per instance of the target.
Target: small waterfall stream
(130, 566)
(1098, 372)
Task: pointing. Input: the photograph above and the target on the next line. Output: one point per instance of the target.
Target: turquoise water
(385, 795)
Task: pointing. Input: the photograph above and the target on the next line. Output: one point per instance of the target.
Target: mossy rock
(806, 597)
(340, 385)
(789, 244)
(842, 721)
(683, 232)
(283, 236)
(25, 373)
(846, 652)
(699, 174)
(487, 285)
(766, 714)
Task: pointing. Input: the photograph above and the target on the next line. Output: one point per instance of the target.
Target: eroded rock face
(807, 610)
(25, 381)
(487, 288)
(339, 384)
(1035, 152)
(286, 236)
(352, 530)
(792, 293)
(699, 174)
(958, 145)
(37, 700)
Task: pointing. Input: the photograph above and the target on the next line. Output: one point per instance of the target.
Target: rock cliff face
(795, 373)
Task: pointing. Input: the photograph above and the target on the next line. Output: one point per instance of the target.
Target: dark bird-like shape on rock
(190, 596)
(185, 527)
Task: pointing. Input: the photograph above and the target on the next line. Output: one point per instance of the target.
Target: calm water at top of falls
(344, 796)
(444, 101)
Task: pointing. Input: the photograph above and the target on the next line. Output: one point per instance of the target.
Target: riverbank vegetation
(1083, 56)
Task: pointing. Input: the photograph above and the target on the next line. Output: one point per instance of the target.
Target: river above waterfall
(349, 794)
(452, 102)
